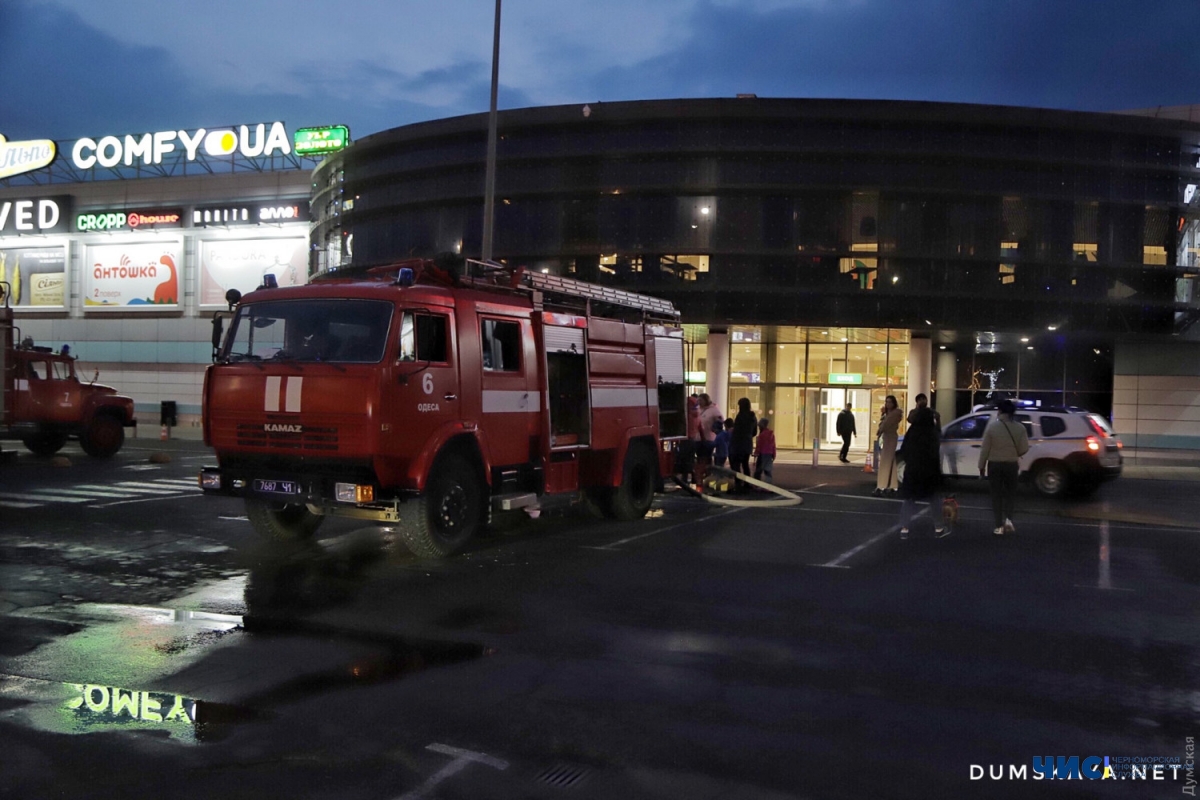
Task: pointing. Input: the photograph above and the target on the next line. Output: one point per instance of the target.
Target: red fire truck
(425, 396)
(43, 402)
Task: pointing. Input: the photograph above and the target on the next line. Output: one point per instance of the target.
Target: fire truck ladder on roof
(570, 287)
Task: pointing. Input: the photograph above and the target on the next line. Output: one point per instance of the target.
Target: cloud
(98, 85)
(1076, 55)
(90, 71)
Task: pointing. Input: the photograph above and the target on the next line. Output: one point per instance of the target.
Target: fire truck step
(513, 501)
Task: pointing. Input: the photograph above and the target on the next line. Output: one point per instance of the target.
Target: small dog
(949, 511)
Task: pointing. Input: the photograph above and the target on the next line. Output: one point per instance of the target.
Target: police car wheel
(1050, 479)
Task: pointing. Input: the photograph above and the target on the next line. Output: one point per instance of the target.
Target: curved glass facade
(949, 219)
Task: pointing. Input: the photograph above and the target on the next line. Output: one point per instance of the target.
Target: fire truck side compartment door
(567, 386)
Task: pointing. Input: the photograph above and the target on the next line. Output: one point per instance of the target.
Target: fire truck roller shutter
(672, 393)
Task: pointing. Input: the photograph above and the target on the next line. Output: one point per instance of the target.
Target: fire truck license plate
(276, 487)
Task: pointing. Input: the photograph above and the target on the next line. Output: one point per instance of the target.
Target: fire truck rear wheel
(632, 499)
(448, 514)
(282, 522)
(103, 438)
(45, 443)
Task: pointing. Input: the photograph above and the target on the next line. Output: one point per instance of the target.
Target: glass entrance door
(832, 401)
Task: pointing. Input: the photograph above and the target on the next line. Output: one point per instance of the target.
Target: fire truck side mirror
(218, 329)
(233, 297)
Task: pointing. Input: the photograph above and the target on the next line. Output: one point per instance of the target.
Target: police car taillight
(1093, 444)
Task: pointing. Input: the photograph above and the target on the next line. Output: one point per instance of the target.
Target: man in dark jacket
(846, 430)
(741, 442)
(921, 453)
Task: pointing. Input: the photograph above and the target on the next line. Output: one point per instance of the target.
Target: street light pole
(489, 187)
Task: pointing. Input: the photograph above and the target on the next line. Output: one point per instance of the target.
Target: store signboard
(153, 219)
(241, 264)
(37, 215)
(133, 277)
(37, 276)
(251, 214)
(145, 149)
(846, 378)
(319, 141)
(17, 158)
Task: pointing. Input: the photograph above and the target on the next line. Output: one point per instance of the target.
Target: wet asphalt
(150, 645)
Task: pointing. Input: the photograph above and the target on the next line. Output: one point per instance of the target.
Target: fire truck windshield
(333, 330)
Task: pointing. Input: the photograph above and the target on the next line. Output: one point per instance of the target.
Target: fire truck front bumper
(330, 497)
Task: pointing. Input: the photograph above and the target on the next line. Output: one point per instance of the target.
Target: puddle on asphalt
(129, 644)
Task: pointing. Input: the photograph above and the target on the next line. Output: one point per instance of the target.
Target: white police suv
(1070, 449)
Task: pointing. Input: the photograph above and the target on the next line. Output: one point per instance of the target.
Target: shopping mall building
(821, 251)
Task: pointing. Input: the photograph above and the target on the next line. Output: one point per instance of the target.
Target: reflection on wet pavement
(119, 656)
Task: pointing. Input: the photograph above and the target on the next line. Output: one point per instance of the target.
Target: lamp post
(489, 185)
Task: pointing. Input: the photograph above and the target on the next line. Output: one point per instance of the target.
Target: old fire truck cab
(43, 402)
(426, 398)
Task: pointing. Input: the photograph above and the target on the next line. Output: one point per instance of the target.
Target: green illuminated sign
(318, 141)
(854, 378)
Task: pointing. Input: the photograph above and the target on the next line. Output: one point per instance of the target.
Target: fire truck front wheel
(103, 437)
(632, 499)
(282, 522)
(448, 514)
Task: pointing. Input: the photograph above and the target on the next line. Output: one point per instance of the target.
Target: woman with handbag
(1004, 442)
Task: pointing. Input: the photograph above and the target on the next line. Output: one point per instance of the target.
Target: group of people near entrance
(737, 440)
(1004, 442)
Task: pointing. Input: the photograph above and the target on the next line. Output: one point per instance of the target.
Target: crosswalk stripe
(45, 497)
(94, 493)
(136, 485)
(90, 492)
(133, 489)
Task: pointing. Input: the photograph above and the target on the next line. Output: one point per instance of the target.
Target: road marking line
(612, 545)
(462, 759)
(15, 504)
(148, 500)
(846, 556)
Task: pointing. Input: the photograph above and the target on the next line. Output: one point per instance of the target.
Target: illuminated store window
(685, 268)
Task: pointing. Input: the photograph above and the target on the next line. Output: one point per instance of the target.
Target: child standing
(721, 443)
(764, 451)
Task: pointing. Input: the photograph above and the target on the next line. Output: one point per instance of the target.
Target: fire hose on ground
(717, 497)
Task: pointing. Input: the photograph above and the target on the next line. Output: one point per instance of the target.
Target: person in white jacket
(1004, 442)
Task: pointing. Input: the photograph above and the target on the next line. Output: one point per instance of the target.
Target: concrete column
(717, 369)
(920, 358)
(947, 374)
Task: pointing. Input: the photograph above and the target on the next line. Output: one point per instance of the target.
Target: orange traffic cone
(869, 464)
(166, 433)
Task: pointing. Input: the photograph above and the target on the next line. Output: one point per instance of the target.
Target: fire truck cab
(426, 398)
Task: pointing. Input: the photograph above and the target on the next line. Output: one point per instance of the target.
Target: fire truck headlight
(210, 480)
(354, 493)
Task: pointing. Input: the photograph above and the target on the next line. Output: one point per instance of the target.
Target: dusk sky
(73, 68)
